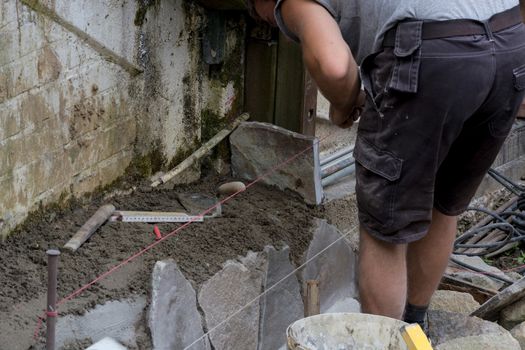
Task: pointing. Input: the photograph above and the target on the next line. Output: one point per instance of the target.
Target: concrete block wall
(72, 120)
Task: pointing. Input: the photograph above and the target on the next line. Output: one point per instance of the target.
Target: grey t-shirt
(363, 23)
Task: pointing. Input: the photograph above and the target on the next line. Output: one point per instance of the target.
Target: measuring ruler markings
(141, 216)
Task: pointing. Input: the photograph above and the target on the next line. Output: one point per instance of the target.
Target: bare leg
(427, 258)
(382, 276)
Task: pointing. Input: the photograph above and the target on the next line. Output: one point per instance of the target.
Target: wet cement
(250, 221)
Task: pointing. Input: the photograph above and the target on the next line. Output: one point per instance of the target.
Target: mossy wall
(91, 91)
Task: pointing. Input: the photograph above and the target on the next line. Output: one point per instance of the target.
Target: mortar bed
(258, 217)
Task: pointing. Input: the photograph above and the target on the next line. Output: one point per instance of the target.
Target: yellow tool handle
(415, 338)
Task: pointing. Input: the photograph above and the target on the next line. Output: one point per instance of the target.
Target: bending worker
(443, 82)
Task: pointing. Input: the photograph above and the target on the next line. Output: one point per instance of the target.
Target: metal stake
(51, 313)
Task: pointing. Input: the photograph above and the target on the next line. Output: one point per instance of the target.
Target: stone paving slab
(174, 320)
(282, 305)
(257, 148)
(106, 344)
(335, 269)
(227, 292)
(115, 319)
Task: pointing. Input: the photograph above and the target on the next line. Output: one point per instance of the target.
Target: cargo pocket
(377, 172)
(407, 49)
(519, 78)
(500, 127)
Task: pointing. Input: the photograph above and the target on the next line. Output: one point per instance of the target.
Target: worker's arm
(326, 55)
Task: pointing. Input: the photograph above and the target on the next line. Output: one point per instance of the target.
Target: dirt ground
(260, 216)
(255, 218)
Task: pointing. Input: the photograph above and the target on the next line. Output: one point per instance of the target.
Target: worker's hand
(345, 119)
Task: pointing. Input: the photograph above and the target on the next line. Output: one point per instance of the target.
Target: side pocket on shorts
(405, 76)
(377, 172)
(519, 78)
(500, 127)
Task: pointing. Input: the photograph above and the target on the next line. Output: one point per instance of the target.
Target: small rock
(156, 176)
(518, 333)
(230, 188)
(446, 300)
(513, 314)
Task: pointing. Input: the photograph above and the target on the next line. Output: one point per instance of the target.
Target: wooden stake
(200, 152)
(312, 306)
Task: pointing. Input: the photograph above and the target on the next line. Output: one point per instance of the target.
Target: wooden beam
(261, 70)
(296, 92)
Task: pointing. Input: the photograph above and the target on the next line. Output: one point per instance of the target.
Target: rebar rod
(51, 313)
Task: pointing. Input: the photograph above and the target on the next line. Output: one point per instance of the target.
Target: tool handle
(94, 222)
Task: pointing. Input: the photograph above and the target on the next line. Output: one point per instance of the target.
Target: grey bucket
(346, 331)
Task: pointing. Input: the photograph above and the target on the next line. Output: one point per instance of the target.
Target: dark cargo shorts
(437, 113)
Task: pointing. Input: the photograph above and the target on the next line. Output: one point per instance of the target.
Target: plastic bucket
(345, 331)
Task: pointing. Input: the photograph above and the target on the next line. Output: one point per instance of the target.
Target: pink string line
(176, 231)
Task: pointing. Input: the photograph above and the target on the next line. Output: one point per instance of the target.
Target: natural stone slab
(257, 148)
(518, 333)
(513, 314)
(106, 344)
(347, 305)
(174, 320)
(448, 327)
(115, 319)
(224, 294)
(335, 268)
(490, 310)
(483, 341)
(345, 331)
(451, 301)
(282, 305)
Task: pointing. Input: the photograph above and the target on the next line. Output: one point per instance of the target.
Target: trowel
(198, 203)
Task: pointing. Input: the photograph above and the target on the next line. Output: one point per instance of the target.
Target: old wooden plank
(261, 69)
(290, 85)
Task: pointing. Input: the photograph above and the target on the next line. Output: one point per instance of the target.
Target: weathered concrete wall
(74, 116)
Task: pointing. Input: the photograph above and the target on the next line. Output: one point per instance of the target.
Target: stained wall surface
(90, 89)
